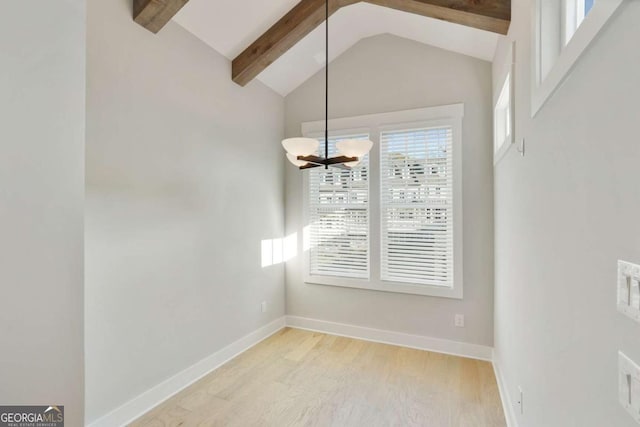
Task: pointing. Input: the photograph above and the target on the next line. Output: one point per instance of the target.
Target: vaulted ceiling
(285, 56)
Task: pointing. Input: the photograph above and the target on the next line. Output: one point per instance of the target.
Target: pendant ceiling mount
(302, 152)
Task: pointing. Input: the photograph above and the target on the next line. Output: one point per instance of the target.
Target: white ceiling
(229, 26)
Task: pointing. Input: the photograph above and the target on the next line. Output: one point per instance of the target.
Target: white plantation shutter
(339, 218)
(417, 206)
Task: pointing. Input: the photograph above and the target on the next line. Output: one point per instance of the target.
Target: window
(417, 205)
(339, 219)
(503, 118)
(563, 31)
(393, 224)
(504, 107)
(574, 13)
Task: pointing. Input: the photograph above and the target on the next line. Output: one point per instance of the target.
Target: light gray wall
(184, 180)
(42, 119)
(382, 74)
(565, 214)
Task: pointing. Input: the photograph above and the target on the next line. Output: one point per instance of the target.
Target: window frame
(374, 124)
(544, 85)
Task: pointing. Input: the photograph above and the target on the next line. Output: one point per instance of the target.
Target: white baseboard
(163, 391)
(419, 342)
(505, 397)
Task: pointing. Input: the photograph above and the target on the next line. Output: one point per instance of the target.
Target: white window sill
(384, 286)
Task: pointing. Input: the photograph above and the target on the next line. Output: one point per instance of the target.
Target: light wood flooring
(301, 378)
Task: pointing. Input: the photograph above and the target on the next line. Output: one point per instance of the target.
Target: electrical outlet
(263, 306)
(459, 320)
(629, 290)
(520, 400)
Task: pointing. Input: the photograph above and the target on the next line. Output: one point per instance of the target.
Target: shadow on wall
(129, 5)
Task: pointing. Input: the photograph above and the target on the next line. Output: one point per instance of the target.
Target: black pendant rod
(314, 161)
(326, 86)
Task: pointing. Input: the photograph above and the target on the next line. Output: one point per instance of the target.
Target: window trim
(585, 34)
(374, 124)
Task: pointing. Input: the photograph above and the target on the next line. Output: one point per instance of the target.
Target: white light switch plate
(629, 289)
(629, 386)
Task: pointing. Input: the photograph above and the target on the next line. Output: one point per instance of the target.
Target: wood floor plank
(305, 347)
(302, 378)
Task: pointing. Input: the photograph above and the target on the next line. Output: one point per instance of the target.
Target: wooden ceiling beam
(289, 30)
(488, 15)
(154, 14)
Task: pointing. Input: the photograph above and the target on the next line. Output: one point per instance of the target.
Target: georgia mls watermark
(31, 416)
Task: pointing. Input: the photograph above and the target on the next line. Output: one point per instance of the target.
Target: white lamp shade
(300, 146)
(294, 160)
(354, 147)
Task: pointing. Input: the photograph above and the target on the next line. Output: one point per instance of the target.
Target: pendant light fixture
(302, 152)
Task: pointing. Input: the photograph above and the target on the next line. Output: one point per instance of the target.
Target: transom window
(563, 29)
(574, 13)
(502, 118)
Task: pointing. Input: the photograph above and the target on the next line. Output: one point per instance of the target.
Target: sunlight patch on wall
(277, 251)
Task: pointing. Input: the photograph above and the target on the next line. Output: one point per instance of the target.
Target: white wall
(42, 118)
(382, 74)
(184, 180)
(565, 214)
